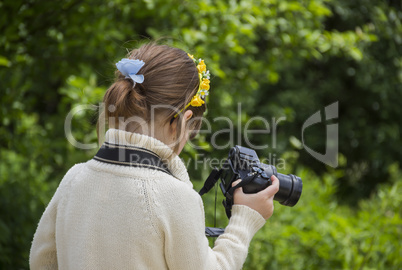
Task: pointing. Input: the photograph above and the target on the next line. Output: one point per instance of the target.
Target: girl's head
(152, 107)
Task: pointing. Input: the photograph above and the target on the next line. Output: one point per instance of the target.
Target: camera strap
(211, 181)
(131, 156)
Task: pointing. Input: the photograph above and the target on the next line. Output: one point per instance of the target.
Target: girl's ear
(184, 119)
(188, 114)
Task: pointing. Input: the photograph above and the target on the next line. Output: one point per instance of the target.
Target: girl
(117, 211)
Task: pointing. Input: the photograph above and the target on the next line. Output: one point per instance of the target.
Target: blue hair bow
(130, 68)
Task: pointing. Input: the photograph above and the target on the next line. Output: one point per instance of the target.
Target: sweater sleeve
(187, 247)
(43, 254)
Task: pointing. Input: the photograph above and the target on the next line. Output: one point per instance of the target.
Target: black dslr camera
(243, 163)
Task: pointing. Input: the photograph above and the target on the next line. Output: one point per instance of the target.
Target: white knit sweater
(106, 216)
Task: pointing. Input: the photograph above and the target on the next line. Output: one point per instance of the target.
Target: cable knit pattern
(106, 216)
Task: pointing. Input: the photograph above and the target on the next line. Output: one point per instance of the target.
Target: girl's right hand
(262, 201)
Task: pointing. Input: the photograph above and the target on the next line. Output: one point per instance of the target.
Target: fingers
(268, 192)
(275, 181)
(236, 182)
(272, 189)
(237, 190)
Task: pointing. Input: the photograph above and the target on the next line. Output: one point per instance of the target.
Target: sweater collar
(172, 160)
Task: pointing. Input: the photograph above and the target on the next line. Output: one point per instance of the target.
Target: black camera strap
(211, 181)
(132, 156)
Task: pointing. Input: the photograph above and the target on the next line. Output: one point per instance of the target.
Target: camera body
(243, 163)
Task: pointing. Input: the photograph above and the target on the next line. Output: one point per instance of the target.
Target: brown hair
(170, 79)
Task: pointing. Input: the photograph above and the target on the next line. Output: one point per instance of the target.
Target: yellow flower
(204, 84)
(191, 56)
(201, 67)
(196, 101)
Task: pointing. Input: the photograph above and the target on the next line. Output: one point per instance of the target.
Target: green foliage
(318, 233)
(278, 58)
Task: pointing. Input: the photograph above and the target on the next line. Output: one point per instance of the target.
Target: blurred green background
(278, 58)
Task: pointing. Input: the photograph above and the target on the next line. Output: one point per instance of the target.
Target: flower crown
(203, 88)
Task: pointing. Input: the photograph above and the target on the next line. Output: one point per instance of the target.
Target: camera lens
(290, 189)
